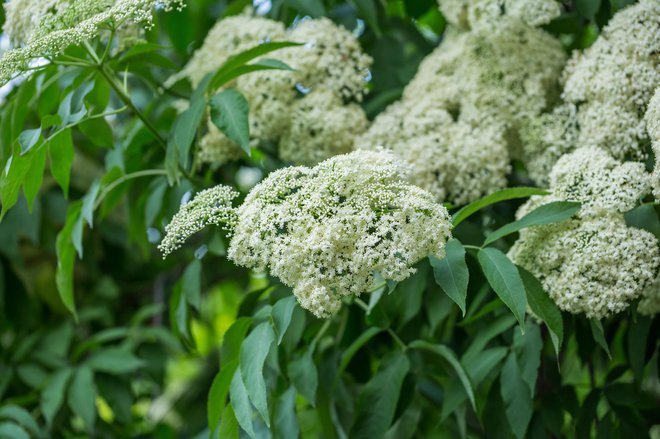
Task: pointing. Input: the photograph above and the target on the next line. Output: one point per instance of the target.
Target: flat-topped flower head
(468, 14)
(595, 266)
(45, 28)
(456, 160)
(209, 207)
(326, 230)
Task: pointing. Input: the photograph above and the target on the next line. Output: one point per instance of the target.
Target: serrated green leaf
(517, 397)
(82, 396)
(450, 357)
(218, 395)
(378, 399)
(114, 361)
(228, 425)
(599, 335)
(28, 139)
(554, 212)
(495, 197)
(451, 272)
(232, 340)
(281, 315)
(66, 259)
(543, 306)
(304, 376)
(503, 276)
(229, 112)
(240, 402)
(254, 351)
(186, 124)
(52, 395)
(60, 150)
(87, 210)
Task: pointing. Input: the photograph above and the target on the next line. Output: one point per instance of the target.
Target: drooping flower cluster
(458, 119)
(44, 29)
(594, 264)
(652, 119)
(330, 73)
(209, 207)
(326, 230)
(606, 91)
(468, 14)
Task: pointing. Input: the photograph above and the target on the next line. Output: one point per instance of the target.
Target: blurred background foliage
(148, 340)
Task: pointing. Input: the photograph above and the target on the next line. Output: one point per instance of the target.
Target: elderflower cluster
(613, 81)
(308, 112)
(209, 207)
(45, 28)
(594, 264)
(458, 120)
(456, 160)
(468, 14)
(326, 230)
(652, 119)
(649, 305)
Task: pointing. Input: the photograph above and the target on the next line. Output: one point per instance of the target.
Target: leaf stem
(107, 189)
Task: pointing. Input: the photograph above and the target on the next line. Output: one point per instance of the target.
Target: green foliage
(100, 337)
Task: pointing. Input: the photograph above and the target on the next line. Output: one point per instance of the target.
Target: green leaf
(34, 176)
(304, 376)
(254, 351)
(368, 10)
(66, 259)
(285, 423)
(644, 217)
(191, 283)
(378, 399)
(240, 402)
(22, 417)
(449, 356)
(588, 8)
(186, 124)
(554, 212)
(599, 335)
(229, 112)
(53, 394)
(218, 394)
(154, 203)
(451, 272)
(228, 425)
(272, 64)
(98, 131)
(543, 307)
(313, 8)
(528, 348)
(503, 276)
(82, 396)
(232, 340)
(87, 210)
(115, 361)
(10, 430)
(587, 414)
(225, 73)
(637, 337)
(348, 354)
(495, 197)
(11, 180)
(28, 138)
(517, 396)
(60, 150)
(281, 315)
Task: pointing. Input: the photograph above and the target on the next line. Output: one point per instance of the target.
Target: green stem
(322, 331)
(472, 247)
(107, 189)
(396, 338)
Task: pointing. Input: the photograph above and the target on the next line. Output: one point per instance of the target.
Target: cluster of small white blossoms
(649, 305)
(458, 161)
(328, 65)
(44, 29)
(209, 207)
(468, 14)
(652, 119)
(457, 121)
(594, 264)
(326, 230)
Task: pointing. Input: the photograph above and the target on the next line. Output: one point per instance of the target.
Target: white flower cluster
(457, 161)
(607, 87)
(45, 28)
(458, 119)
(209, 207)
(330, 72)
(652, 119)
(326, 230)
(468, 14)
(594, 264)
(649, 305)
